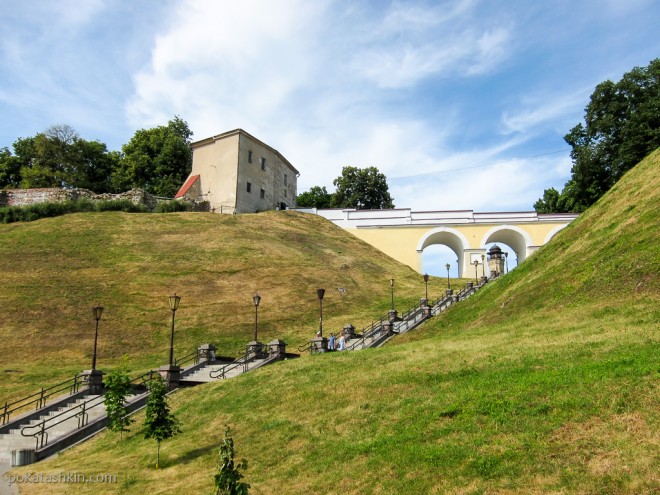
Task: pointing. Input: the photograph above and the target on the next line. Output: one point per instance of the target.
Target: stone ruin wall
(26, 197)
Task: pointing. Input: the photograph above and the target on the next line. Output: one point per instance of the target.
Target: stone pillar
(454, 298)
(469, 285)
(206, 352)
(170, 374)
(426, 309)
(319, 344)
(349, 331)
(388, 328)
(484, 280)
(449, 292)
(94, 378)
(254, 350)
(392, 315)
(277, 348)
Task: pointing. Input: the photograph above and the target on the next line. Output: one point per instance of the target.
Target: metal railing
(368, 332)
(441, 304)
(188, 358)
(42, 428)
(39, 399)
(308, 346)
(141, 382)
(411, 318)
(242, 361)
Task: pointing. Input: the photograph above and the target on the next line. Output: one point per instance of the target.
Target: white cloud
(306, 78)
(412, 43)
(540, 110)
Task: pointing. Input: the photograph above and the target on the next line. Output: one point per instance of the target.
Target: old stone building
(237, 173)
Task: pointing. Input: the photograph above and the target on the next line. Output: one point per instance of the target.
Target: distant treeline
(157, 160)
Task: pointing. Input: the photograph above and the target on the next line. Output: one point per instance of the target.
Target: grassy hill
(55, 270)
(545, 382)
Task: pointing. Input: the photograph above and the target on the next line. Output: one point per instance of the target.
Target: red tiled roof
(187, 185)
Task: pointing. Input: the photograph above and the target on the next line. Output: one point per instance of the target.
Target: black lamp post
(320, 293)
(98, 312)
(392, 286)
(506, 260)
(483, 265)
(458, 269)
(448, 266)
(257, 299)
(426, 284)
(476, 264)
(174, 305)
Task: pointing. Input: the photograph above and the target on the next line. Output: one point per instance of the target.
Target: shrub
(172, 206)
(125, 205)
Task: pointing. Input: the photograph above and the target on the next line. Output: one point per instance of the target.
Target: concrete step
(203, 375)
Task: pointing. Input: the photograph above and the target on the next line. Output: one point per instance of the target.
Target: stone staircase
(72, 419)
(42, 435)
(380, 332)
(56, 423)
(213, 371)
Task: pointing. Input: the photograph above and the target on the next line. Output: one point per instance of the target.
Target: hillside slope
(545, 382)
(55, 270)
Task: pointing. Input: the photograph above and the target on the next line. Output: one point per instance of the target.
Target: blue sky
(462, 104)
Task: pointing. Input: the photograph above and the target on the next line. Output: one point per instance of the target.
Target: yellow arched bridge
(403, 234)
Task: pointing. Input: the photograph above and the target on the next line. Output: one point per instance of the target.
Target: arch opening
(514, 238)
(450, 247)
(435, 259)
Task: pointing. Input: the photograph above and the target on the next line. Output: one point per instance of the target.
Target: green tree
(57, 157)
(316, 197)
(157, 160)
(159, 423)
(118, 387)
(553, 201)
(364, 188)
(228, 480)
(621, 127)
(10, 170)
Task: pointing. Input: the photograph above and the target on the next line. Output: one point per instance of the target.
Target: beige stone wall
(227, 163)
(269, 178)
(216, 163)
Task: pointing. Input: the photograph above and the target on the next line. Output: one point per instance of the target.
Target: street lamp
(426, 283)
(98, 312)
(458, 269)
(320, 293)
(256, 298)
(483, 265)
(392, 286)
(174, 305)
(506, 260)
(448, 266)
(476, 264)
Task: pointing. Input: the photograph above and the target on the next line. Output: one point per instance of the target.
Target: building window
(262, 194)
(263, 163)
(286, 181)
(249, 187)
(249, 156)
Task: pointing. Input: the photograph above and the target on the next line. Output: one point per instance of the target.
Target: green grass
(546, 381)
(55, 270)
